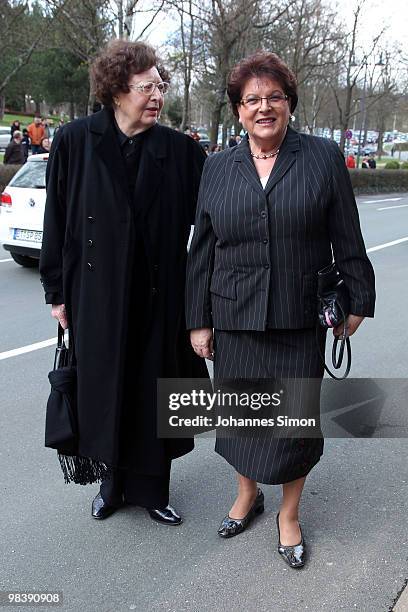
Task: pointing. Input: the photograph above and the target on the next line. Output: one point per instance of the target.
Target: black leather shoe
(167, 515)
(100, 509)
(294, 556)
(231, 527)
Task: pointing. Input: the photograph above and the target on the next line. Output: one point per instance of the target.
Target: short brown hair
(261, 64)
(111, 70)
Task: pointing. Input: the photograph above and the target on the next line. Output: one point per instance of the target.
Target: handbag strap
(61, 343)
(337, 360)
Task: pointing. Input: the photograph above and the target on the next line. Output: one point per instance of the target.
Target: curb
(402, 602)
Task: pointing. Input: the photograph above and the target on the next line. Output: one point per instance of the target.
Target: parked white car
(5, 137)
(22, 212)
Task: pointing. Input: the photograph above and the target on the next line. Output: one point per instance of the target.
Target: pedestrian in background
(121, 199)
(14, 126)
(350, 161)
(45, 145)
(371, 161)
(36, 133)
(14, 153)
(26, 143)
(271, 211)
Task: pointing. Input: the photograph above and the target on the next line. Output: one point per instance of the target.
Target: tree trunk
(2, 105)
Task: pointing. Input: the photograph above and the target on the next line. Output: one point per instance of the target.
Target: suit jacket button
(265, 241)
(263, 214)
(90, 243)
(266, 266)
(90, 266)
(91, 219)
(154, 291)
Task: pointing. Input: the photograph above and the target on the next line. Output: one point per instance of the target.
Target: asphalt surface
(354, 508)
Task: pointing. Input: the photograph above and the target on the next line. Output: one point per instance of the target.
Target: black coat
(14, 154)
(86, 262)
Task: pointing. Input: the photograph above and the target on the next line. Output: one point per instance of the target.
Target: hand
(353, 322)
(58, 312)
(202, 342)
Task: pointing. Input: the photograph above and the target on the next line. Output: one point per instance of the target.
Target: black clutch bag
(61, 414)
(333, 309)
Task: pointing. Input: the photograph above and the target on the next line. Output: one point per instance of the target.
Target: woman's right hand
(202, 342)
(58, 312)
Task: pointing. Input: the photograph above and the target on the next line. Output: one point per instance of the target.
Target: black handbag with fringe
(61, 415)
(61, 422)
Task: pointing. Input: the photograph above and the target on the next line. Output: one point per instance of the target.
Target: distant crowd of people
(34, 138)
(368, 161)
(210, 149)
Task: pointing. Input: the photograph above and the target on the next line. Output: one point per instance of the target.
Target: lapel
(151, 174)
(286, 158)
(242, 156)
(149, 177)
(106, 146)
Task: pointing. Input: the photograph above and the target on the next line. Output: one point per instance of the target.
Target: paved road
(354, 513)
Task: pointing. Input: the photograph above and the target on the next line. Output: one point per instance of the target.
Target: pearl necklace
(265, 155)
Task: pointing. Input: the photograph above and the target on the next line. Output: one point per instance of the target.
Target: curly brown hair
(261, 64)
(111, 70)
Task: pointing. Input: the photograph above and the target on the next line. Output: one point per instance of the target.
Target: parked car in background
(5, 136)
(22, 212)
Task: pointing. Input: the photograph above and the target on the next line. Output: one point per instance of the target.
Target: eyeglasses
(256, 101)
(148, 88)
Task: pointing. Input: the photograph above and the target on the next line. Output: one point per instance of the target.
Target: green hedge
(379, 181)
(6, 174)
(392, 165)
(363, 181)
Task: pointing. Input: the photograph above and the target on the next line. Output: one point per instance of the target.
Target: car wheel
(24, 260)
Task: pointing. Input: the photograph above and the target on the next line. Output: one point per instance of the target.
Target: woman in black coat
(121, 198)
(270, 213)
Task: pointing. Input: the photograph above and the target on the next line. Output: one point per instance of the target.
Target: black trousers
(125, 485)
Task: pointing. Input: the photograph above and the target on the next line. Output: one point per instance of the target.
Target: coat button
(154, 291)
(265, 241)
(266, 266)
(91, 219)
(90, 243)
(263, 214)
(90, 266)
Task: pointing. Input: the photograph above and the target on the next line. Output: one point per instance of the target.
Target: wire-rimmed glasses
(147, 88)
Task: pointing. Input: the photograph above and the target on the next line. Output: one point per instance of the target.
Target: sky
(375, 15)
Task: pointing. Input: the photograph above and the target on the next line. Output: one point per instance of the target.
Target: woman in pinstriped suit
(271, 212)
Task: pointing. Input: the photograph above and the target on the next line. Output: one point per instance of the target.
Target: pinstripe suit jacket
(255, 252)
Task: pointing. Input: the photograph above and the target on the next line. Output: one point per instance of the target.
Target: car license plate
(28, 235)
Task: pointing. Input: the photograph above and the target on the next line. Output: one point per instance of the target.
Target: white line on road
(387, 244)
(51, 341)
(28, 348)
(8, 259)
(377, 201)
(390, 207)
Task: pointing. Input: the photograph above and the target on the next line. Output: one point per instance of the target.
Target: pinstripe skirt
(272, 354)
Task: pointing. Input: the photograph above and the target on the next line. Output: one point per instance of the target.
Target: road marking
(387, 244)
(39, 345)
(377, 201)
(390, 207)
(28, 348)
(10, 259)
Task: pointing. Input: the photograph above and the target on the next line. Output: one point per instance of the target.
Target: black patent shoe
(166, 516)
(231, 527)
(100, 509)
(295, 555)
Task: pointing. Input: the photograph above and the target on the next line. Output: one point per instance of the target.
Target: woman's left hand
(353, 322)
